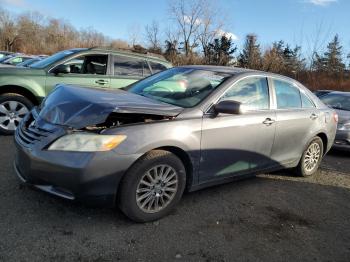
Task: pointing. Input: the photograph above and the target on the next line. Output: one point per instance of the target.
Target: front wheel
(311, 158)
(152, 187)
(13, 108)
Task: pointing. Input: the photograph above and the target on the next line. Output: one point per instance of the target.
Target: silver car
(182, 129)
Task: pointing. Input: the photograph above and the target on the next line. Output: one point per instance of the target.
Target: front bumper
(92, 178)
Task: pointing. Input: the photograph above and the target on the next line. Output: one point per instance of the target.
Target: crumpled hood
(78, 107)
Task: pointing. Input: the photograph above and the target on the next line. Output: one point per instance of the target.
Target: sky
(298, 22)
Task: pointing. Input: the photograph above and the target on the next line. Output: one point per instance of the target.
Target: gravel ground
(268, 218)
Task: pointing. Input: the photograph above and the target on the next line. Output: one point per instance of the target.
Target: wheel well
(186, 160)
(21, 91)
(324, 138)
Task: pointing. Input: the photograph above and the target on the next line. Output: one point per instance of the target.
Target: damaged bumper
(92, 178)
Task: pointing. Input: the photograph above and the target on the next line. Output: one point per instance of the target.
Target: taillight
(335, 117)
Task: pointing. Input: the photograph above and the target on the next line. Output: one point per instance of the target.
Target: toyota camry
(182, 129)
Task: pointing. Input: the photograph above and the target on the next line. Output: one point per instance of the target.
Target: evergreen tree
(293, 62)
(221, 50)
(250, 56)
(331, 62)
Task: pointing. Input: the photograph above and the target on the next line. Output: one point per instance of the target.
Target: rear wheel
(311, 158)
(152, 187)
(13, 108)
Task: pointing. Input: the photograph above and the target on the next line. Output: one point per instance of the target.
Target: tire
(132, 188)
(306, 168)
(13, 107)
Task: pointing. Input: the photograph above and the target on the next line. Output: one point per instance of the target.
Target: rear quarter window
(157, 67)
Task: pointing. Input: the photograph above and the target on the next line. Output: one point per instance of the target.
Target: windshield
(184, 87)
(337, 101)
(55, 57)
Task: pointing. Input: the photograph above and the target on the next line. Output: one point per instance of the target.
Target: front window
(184, 87)
(88, 64)
(54, 58)
(252, 93)
(337, 101)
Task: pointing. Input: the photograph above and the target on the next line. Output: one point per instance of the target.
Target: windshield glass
(184, 87)
(337, 101)
(52, 59)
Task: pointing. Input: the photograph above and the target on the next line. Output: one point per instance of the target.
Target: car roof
(149, 55)
(237, 71)
(339, 93)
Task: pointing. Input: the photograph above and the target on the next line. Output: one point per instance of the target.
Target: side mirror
(228, 107)
(61, 69)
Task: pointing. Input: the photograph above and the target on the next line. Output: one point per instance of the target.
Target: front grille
(28, 132)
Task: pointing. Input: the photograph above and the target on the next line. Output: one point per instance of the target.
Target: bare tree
(134, 34)
(210, 27)
(188, 15)
(153, 36)
(8, 31)
(171, 51)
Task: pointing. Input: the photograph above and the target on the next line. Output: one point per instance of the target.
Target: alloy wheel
(11, 114)
(312, 157)
(157, 188)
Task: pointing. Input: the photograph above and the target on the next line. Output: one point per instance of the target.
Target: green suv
(22, 88)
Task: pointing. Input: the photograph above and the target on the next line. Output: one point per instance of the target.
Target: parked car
(29, 62)
(185, 128)
(320, 93)
(340, 101)
(5, 57)
(14, 60)
(22, 88)
(4, 53)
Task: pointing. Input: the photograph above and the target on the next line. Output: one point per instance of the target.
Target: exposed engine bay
(121, 119)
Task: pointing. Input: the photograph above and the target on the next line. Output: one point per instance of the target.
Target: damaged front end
(94, 110)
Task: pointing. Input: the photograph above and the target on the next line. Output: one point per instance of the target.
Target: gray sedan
(340, 101)
(185, 128)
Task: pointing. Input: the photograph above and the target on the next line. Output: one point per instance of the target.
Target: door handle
(314, 116)
(268, 121)
(101, 82)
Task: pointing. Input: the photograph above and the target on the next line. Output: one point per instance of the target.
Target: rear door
(237, 144)
(296, 116)
(88, 70)
(127, 70)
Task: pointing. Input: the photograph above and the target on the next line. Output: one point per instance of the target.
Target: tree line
(196, 36)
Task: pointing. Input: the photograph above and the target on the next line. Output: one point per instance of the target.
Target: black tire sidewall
(18, 98)
(127, 193)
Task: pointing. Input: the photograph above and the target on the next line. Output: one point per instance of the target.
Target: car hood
(79, 107)
(344, 116)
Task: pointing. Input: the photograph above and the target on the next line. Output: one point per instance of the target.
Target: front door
(238, 144)
(85, 70)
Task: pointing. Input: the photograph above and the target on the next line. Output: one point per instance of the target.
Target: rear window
(288, 96)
